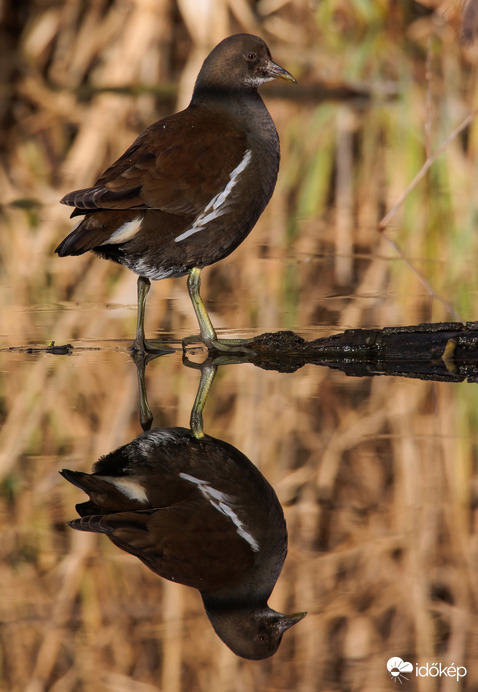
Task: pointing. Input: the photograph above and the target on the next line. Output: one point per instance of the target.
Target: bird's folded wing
(196, 546)
(177, 166)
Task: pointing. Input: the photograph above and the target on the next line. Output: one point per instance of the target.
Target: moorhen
(197, 512)
(191, 187)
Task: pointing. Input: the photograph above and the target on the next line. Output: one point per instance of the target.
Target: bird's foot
(227, 346)
(149, 348)
(192, 339)
(231, 346)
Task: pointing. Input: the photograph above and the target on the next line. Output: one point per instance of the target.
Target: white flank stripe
(221, 502)
(129, 487)
(125, 232)
(217, 206)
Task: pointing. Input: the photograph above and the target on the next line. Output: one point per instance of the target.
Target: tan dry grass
(378, 477)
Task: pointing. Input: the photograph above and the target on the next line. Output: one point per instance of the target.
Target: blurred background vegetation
(378, 477)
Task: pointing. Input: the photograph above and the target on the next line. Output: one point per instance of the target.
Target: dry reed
(378, 476)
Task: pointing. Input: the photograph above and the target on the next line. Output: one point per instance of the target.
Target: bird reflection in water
(196, 511)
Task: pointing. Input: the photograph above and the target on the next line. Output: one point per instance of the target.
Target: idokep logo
(397, 668)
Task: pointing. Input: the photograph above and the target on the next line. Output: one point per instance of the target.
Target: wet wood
(446, 351)
(441, 351)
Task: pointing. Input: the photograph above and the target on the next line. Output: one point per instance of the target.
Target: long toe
(231, 346)
(149, 348)
(192, 339)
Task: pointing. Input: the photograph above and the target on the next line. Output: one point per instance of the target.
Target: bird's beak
(290, 620)
(277, 72)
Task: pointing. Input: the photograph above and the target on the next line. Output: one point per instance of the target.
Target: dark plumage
(197, 512)
(192, 186)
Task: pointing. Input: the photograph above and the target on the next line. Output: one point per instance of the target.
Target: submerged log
(441, 351)
(444, 351)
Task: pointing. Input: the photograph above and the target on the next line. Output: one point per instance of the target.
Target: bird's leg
(208, 372)
(145, 415)
(208, 333)
(144, 285)
(140, 345)
(141, 360)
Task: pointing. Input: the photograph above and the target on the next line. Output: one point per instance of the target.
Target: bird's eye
(250, 56)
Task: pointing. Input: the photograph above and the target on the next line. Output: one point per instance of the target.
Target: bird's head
(253, 633)
(239, 62)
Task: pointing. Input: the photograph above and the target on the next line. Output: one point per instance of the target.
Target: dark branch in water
(445, 351)
(442, 351)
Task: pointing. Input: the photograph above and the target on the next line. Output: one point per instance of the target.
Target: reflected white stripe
(217, 206)
(221, 502)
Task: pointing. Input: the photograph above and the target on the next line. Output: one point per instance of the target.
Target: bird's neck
(224, 605)
(251, 590)
(245, 106)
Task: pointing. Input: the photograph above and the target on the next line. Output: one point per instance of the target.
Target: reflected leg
(208, 372)
(145, 415)
(144, 286)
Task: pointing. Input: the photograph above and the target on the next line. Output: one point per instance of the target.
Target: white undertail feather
(129, 487)
(125, 232)
(142, 268)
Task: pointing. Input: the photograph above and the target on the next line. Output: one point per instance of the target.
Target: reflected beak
(277, 72)
(290, 620)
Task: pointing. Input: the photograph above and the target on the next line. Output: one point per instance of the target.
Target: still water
(376, 476)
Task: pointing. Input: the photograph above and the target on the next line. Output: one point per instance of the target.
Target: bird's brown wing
(189, 543)
(177, 166)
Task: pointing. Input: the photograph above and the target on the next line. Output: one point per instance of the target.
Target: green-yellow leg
(144, 285)
(208, 372)
(140, 345)
(208, 333)
(145, 415)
